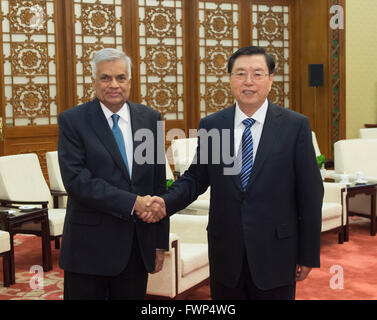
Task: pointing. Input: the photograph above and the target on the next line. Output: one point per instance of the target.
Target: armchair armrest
(173, 240)
(333, 192)
(56, 194)
(165, 282)
(9, 203)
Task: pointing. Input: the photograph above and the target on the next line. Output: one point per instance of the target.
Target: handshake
(150, 209)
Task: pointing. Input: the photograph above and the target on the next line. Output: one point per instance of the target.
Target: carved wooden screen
(218, 39)
(98, 24)
(30, 70)
(161, 57)
(179, 49)
(271, 30)
(30, 79)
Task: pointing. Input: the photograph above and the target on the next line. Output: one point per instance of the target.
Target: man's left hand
(160, 256)
(302, 272)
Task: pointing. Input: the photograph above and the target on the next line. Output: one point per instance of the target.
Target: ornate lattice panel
(336, 82)
(271, 31)
(161, 56)
(29, 50)
(98, 24)
(218, 39)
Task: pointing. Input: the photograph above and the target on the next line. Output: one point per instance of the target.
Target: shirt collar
(123, 112)
(259, 116)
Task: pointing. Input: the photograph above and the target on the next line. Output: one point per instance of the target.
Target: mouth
(248, 92)
(113, 94)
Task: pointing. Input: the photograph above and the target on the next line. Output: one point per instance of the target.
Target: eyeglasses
(243, 76)
(120, 79)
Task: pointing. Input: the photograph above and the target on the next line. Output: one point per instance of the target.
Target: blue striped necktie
(247, 152)
(118, 135)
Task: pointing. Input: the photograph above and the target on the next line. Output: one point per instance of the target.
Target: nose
(114, 83)
(249, 79)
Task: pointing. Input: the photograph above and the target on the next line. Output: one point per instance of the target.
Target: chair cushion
(53, 170)
(56, 222)
(193, 256)
(56, 218)
(331, 210)
(4, 241)
(21, 178)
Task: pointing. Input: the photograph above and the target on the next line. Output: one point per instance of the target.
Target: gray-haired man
(107, 251)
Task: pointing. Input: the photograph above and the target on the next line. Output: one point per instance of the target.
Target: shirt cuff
(133, 209)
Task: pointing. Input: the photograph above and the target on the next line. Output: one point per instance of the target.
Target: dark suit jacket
(99, 228)
(277, 220)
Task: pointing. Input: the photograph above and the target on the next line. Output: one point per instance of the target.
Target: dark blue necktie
(247, 152)
(119, 139)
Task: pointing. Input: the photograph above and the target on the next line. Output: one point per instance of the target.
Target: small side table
(367, 189)
(10, 222)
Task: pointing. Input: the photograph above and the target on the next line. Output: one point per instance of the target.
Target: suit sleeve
(191, 184)
(163, 226)
(89, 190)
(309, 198)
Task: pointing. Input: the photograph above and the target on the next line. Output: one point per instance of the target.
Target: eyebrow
(118, 75)
(245, 69)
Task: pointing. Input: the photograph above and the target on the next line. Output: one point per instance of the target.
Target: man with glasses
(264, 221)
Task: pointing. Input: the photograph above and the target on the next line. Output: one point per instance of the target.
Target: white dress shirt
(124, 123)
(256, 130)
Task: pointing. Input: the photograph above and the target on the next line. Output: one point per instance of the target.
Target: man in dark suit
(107, 251)
(264, 221)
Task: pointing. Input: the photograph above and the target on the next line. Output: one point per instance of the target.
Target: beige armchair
(22, 181)
(334, 214)
(5, 253)
(56, 183)
(186, 265)
(183, 154)
(368, 133)
(355, 155)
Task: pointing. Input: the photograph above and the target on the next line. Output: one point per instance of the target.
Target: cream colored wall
(361, 65)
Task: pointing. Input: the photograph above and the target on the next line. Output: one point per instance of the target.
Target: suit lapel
(270, 129)
(102, 129)
(228, 123)
(136, 124)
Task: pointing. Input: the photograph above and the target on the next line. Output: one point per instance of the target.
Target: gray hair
(110, 54)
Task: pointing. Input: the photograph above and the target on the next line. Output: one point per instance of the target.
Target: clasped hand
(150, 209)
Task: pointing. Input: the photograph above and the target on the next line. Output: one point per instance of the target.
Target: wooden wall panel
(314, 41)
(312, 24)
(31, 92)
(187, 63)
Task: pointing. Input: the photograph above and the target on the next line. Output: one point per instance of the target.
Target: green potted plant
(169, 183)
(321, 162)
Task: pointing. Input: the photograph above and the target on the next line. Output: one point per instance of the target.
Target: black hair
(249, 51)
